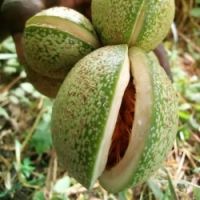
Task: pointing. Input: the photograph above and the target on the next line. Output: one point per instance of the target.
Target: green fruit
(98, 98)
(141, 23)
(55, 39)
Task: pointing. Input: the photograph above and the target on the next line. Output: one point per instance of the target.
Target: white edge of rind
(122, 84)
(119, 176)
(65, 25)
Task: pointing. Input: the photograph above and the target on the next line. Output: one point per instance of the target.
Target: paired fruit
(140, 23)
(55, 39)
(114, 118)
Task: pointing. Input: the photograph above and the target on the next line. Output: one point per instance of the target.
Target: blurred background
(28, 165)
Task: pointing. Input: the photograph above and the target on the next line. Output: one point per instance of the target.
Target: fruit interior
(122, 132)
(65, 25)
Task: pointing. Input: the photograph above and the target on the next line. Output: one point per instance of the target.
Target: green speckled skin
(116, 21)
(164, 124)
(52, 51)
(163, 127)
(81, 110)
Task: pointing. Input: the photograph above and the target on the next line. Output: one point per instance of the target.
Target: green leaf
(62, 184)
(185, 116)
(41, 139)
(4, 113)
(8, 46)
(184, 133)
(197, 170)
(27, 87)
(155, 189)
(60, 197)
(193, 92)
(27, 167)
(171, 187)
(185, 106)
(195, 12)
(6, 56)
(125, 195)
(196, 193)
(194, 124)
(39, 195)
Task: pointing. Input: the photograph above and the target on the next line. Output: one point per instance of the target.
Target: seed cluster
(122, 132)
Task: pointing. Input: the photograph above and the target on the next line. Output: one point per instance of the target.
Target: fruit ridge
(85, 115)
(154, 127)
(55, 39)
(140, 23)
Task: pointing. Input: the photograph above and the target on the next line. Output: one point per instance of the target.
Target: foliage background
(28, 165)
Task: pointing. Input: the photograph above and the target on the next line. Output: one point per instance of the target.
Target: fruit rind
(55, 39)
(140, 162)
(68, 14)
(52, 52)
(158, 19)
(82, 110)
(141, 23)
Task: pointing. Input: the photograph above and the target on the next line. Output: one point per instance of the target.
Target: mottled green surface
(164, 124)
(52, 49)
(52, 52)
(160, 134)
(159, 16)
(81, 110)
(117, 21)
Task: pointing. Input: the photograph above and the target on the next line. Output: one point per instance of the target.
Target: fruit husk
(85, 114)
(140, 23)
(86, 109)
(53, 42)
(154, 126)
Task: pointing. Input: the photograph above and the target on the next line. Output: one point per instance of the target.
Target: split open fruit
(141, 23)
(54, 40)
(119, 122)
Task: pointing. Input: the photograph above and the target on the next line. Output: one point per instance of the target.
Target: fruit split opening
(122, 132)
(118, 130)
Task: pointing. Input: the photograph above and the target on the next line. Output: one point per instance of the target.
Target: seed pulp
(122, 132)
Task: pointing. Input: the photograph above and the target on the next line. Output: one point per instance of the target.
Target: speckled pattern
(52, 52)
(115, 21)
(164, 124)
(158, 19)
(81, 110)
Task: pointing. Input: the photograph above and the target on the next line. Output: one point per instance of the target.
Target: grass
(28, 164)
